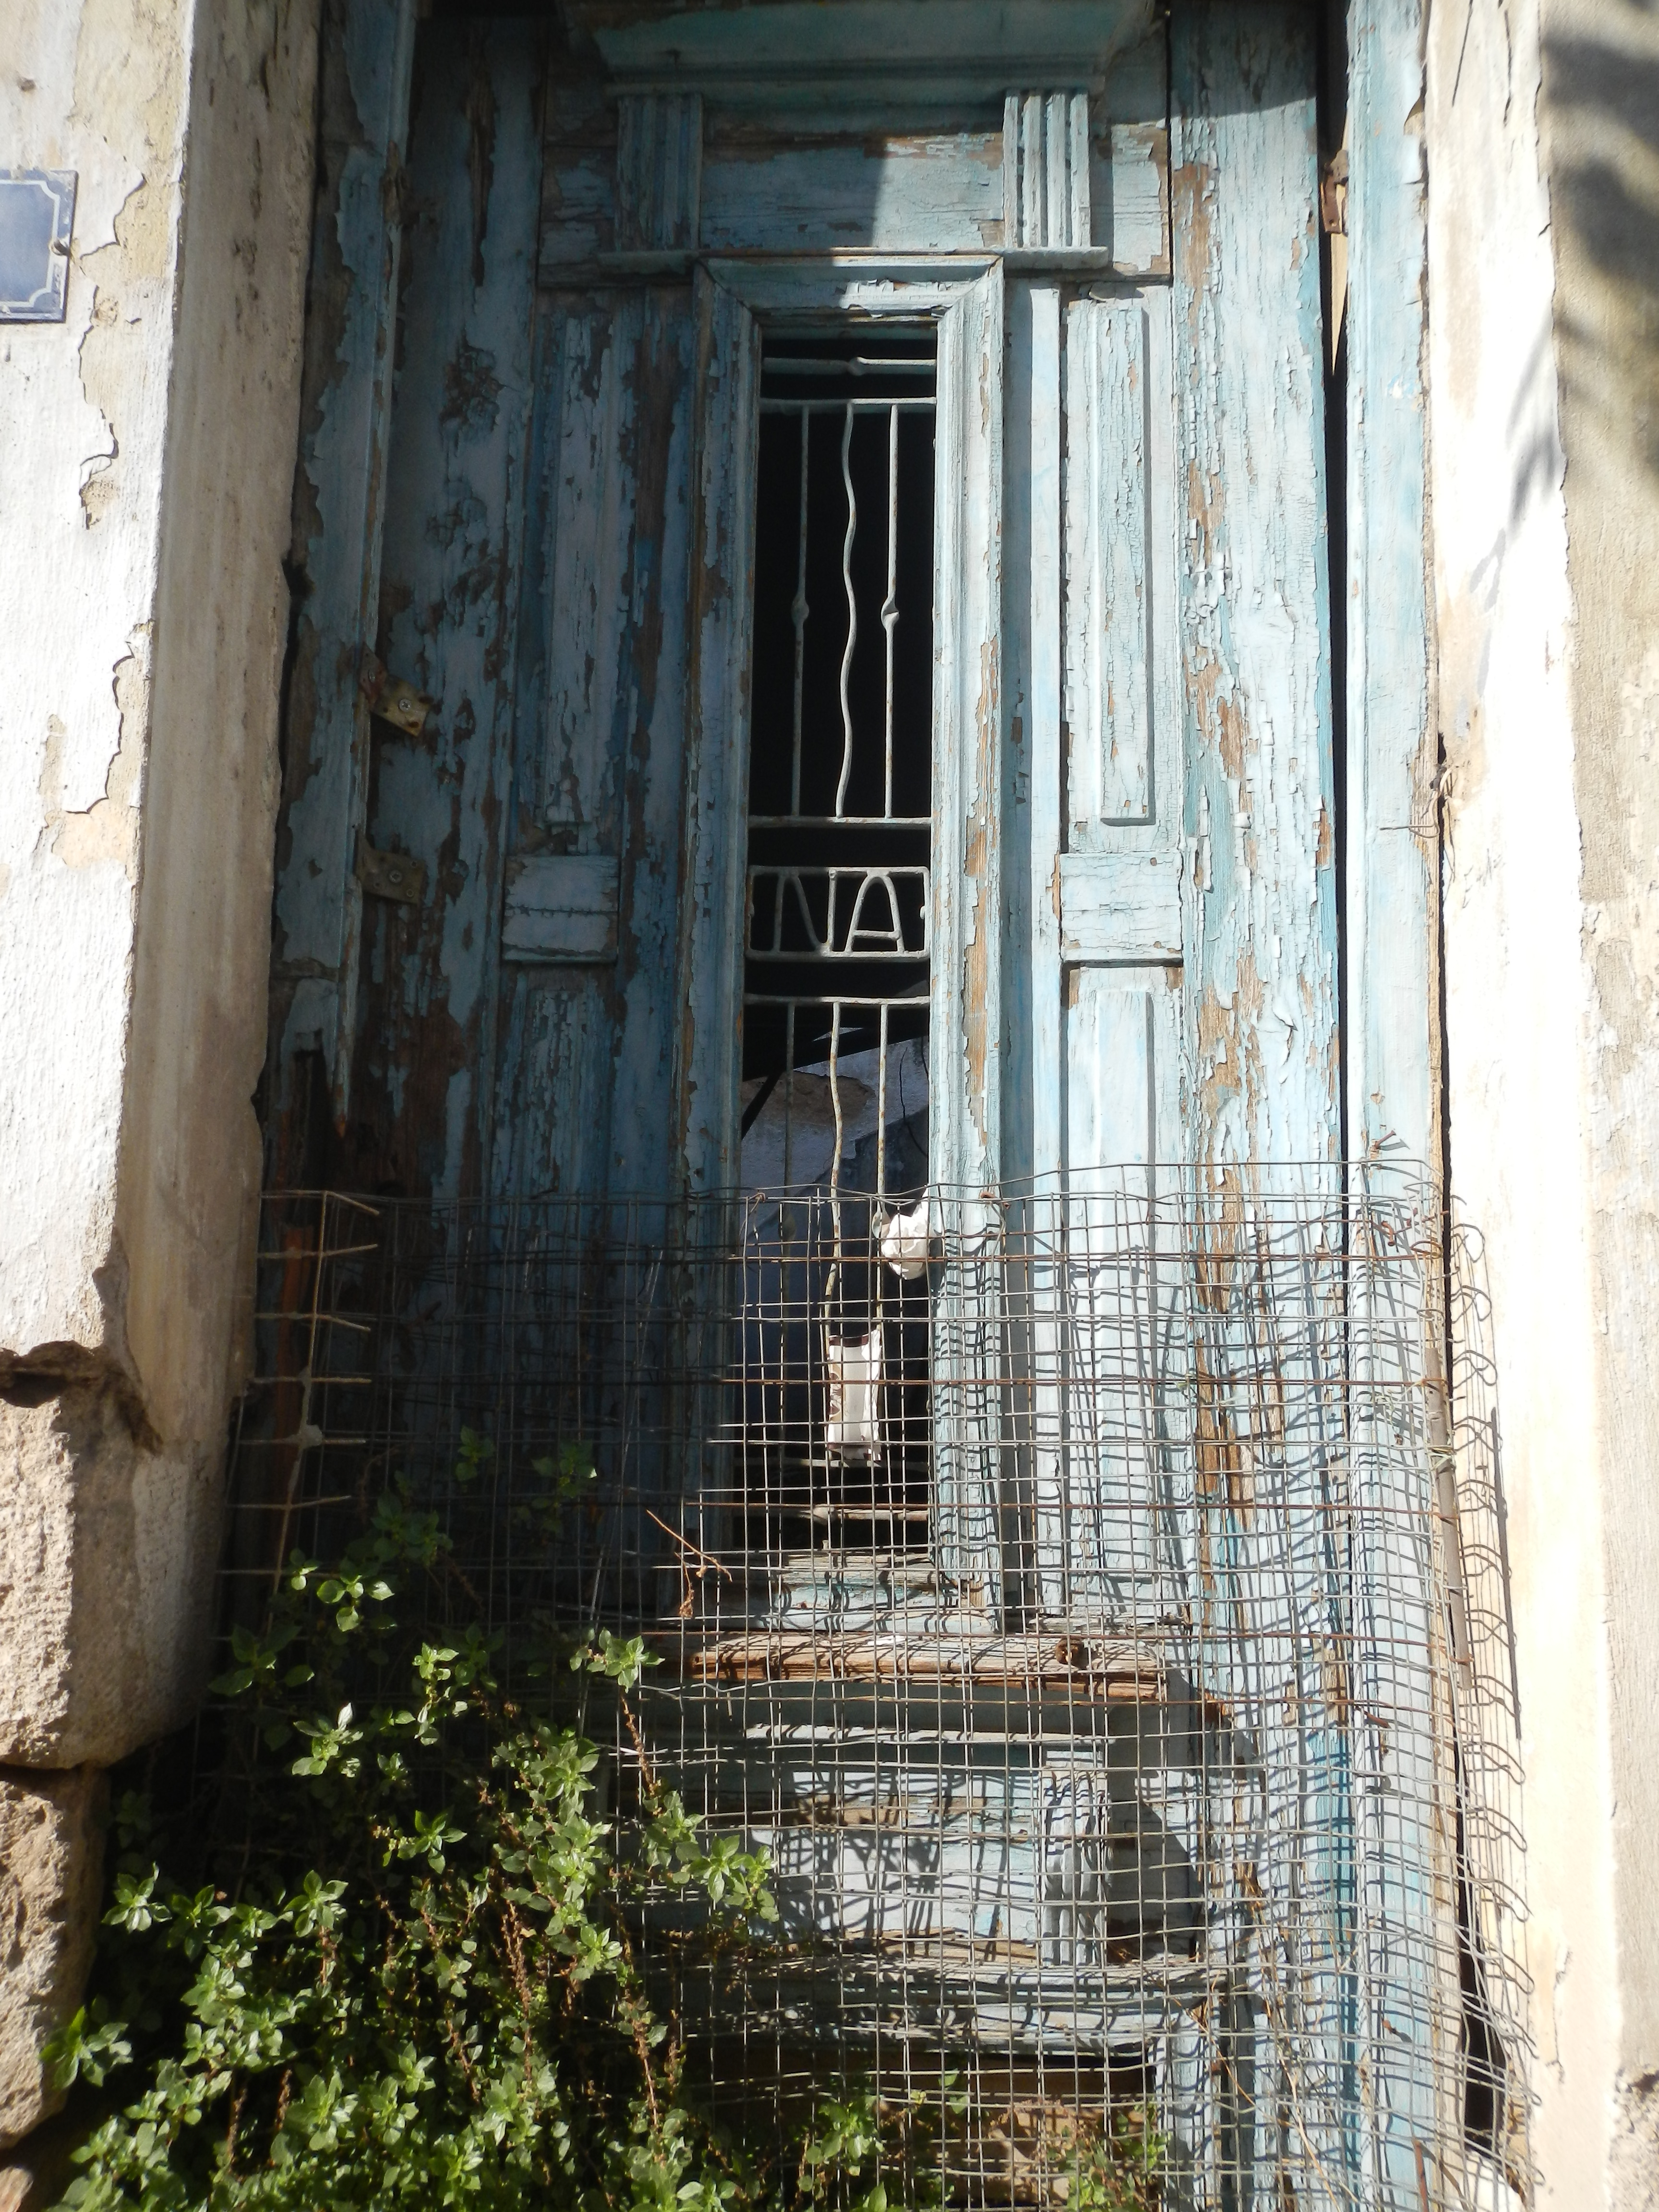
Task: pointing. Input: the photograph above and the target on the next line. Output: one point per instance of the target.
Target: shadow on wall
(1602, 99)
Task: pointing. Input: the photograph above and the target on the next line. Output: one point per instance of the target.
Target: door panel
(1107, 637)
(1121, 1064)
(553, 1084)
(420, 1109)
(1260, 960)
(575, 768)
(1261, 968)
(1169, 969)
(589, 926)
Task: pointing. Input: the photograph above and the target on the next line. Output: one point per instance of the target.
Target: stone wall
(144, 513)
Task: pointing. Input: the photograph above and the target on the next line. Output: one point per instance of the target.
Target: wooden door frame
(1392, 1053)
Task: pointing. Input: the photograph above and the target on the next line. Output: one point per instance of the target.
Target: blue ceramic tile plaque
(37, 210)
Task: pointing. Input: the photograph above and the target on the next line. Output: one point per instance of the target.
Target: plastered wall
(144, 498)
(1601, 115)
(1543, 135)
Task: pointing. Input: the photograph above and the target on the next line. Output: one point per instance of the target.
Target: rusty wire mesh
(1094, 1602)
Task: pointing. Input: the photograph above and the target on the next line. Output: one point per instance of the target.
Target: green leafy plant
(864, 2152)
(1122, 2170)
(408, 1971)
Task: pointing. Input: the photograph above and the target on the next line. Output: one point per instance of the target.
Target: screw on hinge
(394, 698)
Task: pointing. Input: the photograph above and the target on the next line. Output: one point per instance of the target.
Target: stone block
(52, 1848)
(36, 2175)
(107, 1549)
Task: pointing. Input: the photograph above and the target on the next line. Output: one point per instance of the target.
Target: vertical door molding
(1393, 825)
(1411, 2004)
(368, 50)
(658, 171)
(965, 1039)
(660, 454)
(1045, 169)
(1033, 1121)
(965, 1135)
(724, 459)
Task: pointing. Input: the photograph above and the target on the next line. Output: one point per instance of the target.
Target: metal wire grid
(1113, 1656)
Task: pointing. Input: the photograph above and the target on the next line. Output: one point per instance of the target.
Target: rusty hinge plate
(1333, 194)
(37, 216)
(391, 876)
(394, 698)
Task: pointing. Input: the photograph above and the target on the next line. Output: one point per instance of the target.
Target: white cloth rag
(906, 1240)
(853, 1433)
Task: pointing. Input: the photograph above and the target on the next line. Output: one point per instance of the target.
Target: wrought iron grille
(1113, 1659)
(837, 917)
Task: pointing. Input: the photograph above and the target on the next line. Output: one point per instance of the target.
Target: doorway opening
(837, 926)
(839, 814)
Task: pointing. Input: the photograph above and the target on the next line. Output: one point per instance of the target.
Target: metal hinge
(391, 875)
(1333, 222)
(394, 698)
(1333, 194)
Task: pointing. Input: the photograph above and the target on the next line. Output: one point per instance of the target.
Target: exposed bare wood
(1119, 1673)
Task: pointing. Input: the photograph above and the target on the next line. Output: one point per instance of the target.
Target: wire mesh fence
(1093, 1601)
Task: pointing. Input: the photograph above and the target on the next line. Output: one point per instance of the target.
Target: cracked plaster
(150, 442)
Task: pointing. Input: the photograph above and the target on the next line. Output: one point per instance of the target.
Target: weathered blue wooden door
(1134, 935)
(1133, 940)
